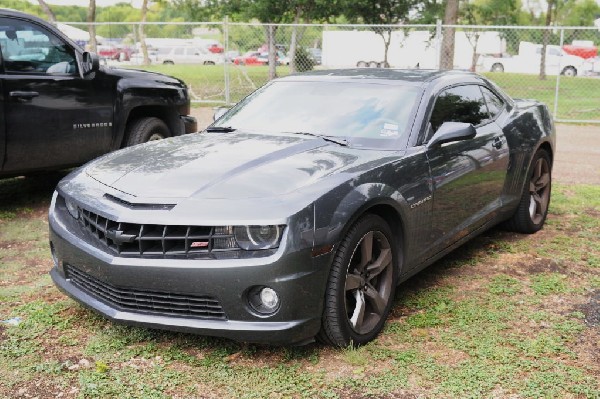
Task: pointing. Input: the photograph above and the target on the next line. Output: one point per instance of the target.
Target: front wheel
(533, 207)
(361, 284)
(146, 129)
(497, 67)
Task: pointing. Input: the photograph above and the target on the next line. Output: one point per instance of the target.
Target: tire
(497, 67)
(146, 129)
(359, 294)
(535, 200)
(361, 64)
(168, 62)
(569, 71)
(373, 64)
(209, 63)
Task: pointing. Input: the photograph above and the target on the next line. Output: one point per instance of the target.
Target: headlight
(72, 208)
(258, 237)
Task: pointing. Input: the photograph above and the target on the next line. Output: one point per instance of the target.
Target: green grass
(579, 97)
(503, 316)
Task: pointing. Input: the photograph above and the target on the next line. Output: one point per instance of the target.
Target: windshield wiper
(220, 129)
(331, 139)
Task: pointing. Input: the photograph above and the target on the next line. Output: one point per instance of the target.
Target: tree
(141, 32)
(47, 11)
(450, 18)
(307, 11)
(379, 12)
(91, 19)
(552, 7)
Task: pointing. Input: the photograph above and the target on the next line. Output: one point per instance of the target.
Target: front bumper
(298, 279)
(189, 123)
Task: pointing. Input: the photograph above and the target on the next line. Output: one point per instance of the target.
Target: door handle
(497, 143)
(25, 95)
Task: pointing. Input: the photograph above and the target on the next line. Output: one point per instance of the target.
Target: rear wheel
(361, 64)
(569, 71)
(361, 284)
(146, 129)
(209, 63)
(533, 207)
(168, 62)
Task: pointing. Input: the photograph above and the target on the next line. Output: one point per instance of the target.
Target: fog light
(264, 300)
(72, 208)
(269, 298)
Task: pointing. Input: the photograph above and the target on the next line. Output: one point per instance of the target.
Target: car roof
(413, 77)
(15, 13)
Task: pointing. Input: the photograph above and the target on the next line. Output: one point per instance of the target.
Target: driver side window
(459, 104)
(27, 48)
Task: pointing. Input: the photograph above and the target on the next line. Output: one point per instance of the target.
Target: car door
(53, 117)
(468, 176)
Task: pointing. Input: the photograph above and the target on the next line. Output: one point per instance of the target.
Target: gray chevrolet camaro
(298, 212)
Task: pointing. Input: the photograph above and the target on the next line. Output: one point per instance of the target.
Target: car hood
(142, 76)
(227, 166)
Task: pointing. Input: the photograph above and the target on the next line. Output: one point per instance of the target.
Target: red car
(252, 58)
(215, 48)
(581, 51)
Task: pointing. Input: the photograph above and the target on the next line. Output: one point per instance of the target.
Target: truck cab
(61, 109)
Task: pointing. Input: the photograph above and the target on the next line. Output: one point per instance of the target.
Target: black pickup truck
(60, 108)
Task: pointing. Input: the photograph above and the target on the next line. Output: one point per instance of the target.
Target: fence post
(562, 39)
(438, 40)
(225, 63)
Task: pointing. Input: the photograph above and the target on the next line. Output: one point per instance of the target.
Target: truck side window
(28, 48)
(459, 104)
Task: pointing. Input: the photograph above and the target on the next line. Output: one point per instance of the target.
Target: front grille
(151, 240)
(164, 303)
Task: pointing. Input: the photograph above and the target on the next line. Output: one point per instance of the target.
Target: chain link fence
(223, 62)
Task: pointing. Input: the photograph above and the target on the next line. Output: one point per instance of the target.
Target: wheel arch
(391, 212)
(167, 115)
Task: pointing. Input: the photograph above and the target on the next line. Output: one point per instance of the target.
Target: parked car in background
(582, 48)
(298, 212)
(116, 53)
(188, 55)
(315, 54)
(256, 58)
(61, 108)
(529, 59)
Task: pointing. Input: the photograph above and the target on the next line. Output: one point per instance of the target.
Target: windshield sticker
(389, 130)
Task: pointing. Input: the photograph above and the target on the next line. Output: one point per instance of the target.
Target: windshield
(350, 110)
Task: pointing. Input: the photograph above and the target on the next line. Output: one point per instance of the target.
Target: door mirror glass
(452, 131)
(219, 112)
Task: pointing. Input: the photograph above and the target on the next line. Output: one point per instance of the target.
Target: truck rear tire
(146, 129)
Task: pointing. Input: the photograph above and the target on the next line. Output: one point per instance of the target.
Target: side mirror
(219, 112)
(89, 64)
(452, 131)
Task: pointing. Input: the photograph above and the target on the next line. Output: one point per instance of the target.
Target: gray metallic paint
(317, 188)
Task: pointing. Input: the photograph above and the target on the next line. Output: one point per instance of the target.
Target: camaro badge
(420, 202)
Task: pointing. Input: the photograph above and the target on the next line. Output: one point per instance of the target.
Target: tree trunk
(270, 30)
(546, 40)
(91, 18)
(386, 45)
(49, 13)
(450, 18)
(294, 41)
(142, 35)
(475, 55)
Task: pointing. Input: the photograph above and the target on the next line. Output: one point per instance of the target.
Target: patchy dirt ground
(577, 158)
